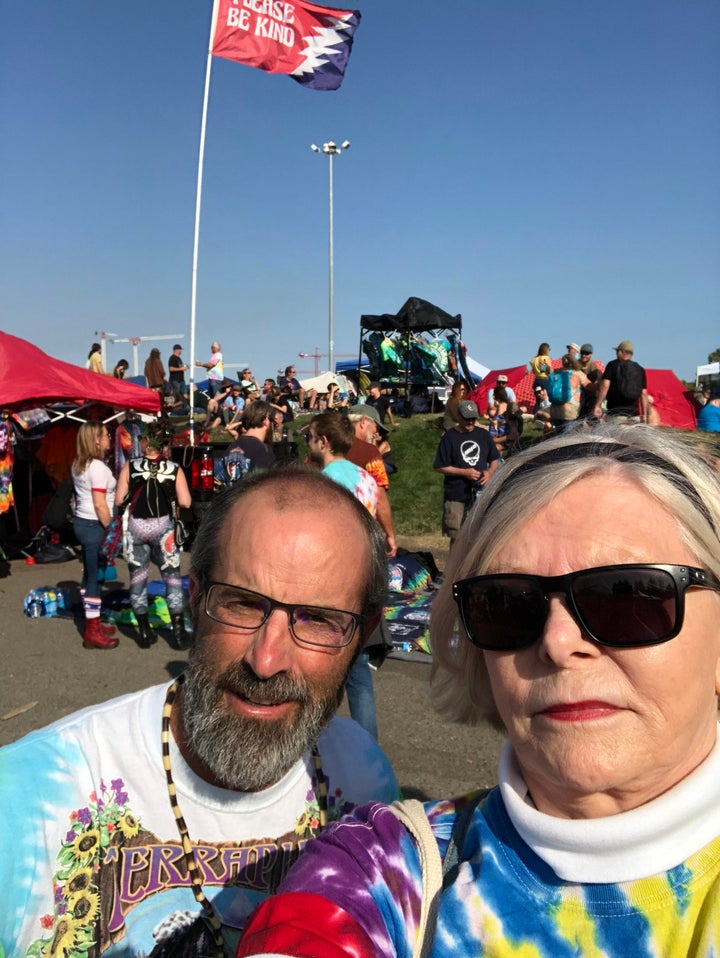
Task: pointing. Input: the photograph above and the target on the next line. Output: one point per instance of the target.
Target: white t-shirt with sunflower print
(91, 862)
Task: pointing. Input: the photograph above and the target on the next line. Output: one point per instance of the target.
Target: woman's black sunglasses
(620, 606)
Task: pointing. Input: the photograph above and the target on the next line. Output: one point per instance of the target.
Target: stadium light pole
(330, 150)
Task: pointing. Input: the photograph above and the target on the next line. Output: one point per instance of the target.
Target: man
(214, 367)
(466, 457)
(502, 381)
(364, 452)
(289, 384)
(624, 384)
(542, 410)
(256, 428)
(709, 416)
(378, 401)
(329, 438)
(589, 393)
(176, 373)
(93, 851)
(572, 350)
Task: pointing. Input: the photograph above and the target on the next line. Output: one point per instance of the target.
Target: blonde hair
(670, 467)
(87, 446)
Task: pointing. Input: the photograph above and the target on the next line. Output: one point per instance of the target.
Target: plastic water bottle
(50, 604)
(35, 604)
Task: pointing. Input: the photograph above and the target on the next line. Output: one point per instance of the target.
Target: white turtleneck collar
(644, 841)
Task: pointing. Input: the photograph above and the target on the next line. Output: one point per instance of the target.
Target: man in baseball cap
(466, 457)
(176, 373)
(624, 386)
(367, 451)
(502, 380)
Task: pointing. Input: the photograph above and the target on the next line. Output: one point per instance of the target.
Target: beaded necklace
(209, 914)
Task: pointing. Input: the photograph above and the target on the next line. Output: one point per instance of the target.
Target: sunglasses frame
(684, 577)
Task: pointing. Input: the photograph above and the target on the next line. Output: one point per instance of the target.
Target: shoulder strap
(412, 815)
(451, 860)
(437, 875)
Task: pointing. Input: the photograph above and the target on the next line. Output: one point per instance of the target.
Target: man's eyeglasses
(619, 606)
(309, 624)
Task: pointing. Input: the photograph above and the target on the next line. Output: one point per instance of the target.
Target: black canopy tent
(390, 344)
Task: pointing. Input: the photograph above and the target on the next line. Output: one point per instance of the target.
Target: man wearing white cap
(572, 353)
(502, 380)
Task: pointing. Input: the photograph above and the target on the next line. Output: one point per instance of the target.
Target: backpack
(629, 380)
(559, 387)
(58, 513)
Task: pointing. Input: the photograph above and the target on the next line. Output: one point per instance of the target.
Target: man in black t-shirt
(624, 383)
(467, 457)
(176, 372)
(256, 422)
(380, 402)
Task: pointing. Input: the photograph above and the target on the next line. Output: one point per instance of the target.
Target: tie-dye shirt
(90, 858)
(505, 901)
(357, 480)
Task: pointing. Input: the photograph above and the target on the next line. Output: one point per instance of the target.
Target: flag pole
(196, 237)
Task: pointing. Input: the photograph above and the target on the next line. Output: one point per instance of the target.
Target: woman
(152, 487)
(120, 369)
(154, 371)
(450, 415)
(541, 365)
(565, 390)
(94, 360)
(603, 835)
(94, 502)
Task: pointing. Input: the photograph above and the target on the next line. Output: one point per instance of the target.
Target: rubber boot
(107, 628)
(94, 638)
(146, 636)
(179, 640)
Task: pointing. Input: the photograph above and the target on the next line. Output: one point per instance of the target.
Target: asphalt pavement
(47, 674)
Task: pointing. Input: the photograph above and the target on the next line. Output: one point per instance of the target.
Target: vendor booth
(43, 401)
(419, 346)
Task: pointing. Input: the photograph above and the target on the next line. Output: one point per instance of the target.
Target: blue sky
(547, 169)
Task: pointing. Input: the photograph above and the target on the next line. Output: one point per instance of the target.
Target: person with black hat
(466, 457)
(176, 372)
(624, 384)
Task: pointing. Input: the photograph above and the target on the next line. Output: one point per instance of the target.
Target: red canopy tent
(675, 405)
(30, 378)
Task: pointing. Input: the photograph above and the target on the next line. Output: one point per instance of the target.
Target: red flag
(308, 42)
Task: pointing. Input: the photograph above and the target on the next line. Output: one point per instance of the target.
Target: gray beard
(250, 754)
